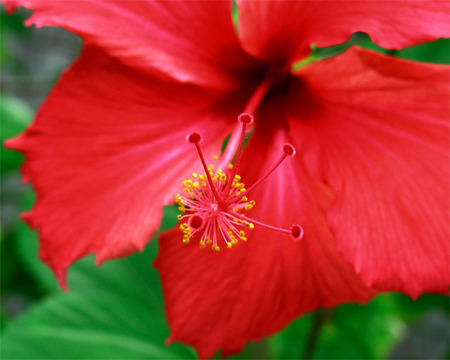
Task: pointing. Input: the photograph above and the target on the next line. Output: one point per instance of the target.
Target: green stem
(321, 318)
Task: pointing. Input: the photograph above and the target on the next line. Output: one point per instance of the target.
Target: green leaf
(15, 115)
(235, 14)
(290, 342)
(27, 243)
(437, 52)
(114, 311)
(361, 331)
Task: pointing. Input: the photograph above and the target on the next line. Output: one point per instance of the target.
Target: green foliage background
(116, 311)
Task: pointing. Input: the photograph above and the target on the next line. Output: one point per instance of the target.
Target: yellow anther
(220, 175)
(194, 187)
(215, 157)
(238, 185)
(184, 227)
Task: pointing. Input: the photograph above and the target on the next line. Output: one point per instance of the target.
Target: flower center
(213, 204)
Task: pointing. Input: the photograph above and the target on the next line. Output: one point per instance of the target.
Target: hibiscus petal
(376, 130)
(285, 30)
(223, 300)
(107, 150)
(192, 41)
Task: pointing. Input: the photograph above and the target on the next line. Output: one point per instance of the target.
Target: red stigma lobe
(194, 137)
(246, 118)
(288, 149)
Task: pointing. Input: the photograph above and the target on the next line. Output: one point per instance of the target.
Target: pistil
(214, 202)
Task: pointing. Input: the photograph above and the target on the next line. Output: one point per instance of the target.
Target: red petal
(376, 129)
(192, 41)
(285, 30)
(106, 151)
(223, 300)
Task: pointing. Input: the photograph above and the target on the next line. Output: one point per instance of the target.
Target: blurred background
(116, 311)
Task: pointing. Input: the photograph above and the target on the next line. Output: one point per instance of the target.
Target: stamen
(213, 203)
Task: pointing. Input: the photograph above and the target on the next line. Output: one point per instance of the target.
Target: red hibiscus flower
(369, 183)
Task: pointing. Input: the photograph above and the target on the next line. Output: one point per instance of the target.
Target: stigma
(213, 205)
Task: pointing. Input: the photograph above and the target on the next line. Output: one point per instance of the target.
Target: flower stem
(321, 318)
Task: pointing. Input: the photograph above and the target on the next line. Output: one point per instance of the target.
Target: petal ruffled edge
(285, 30)
(106, 151)
(192, 41)
(376, 130)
